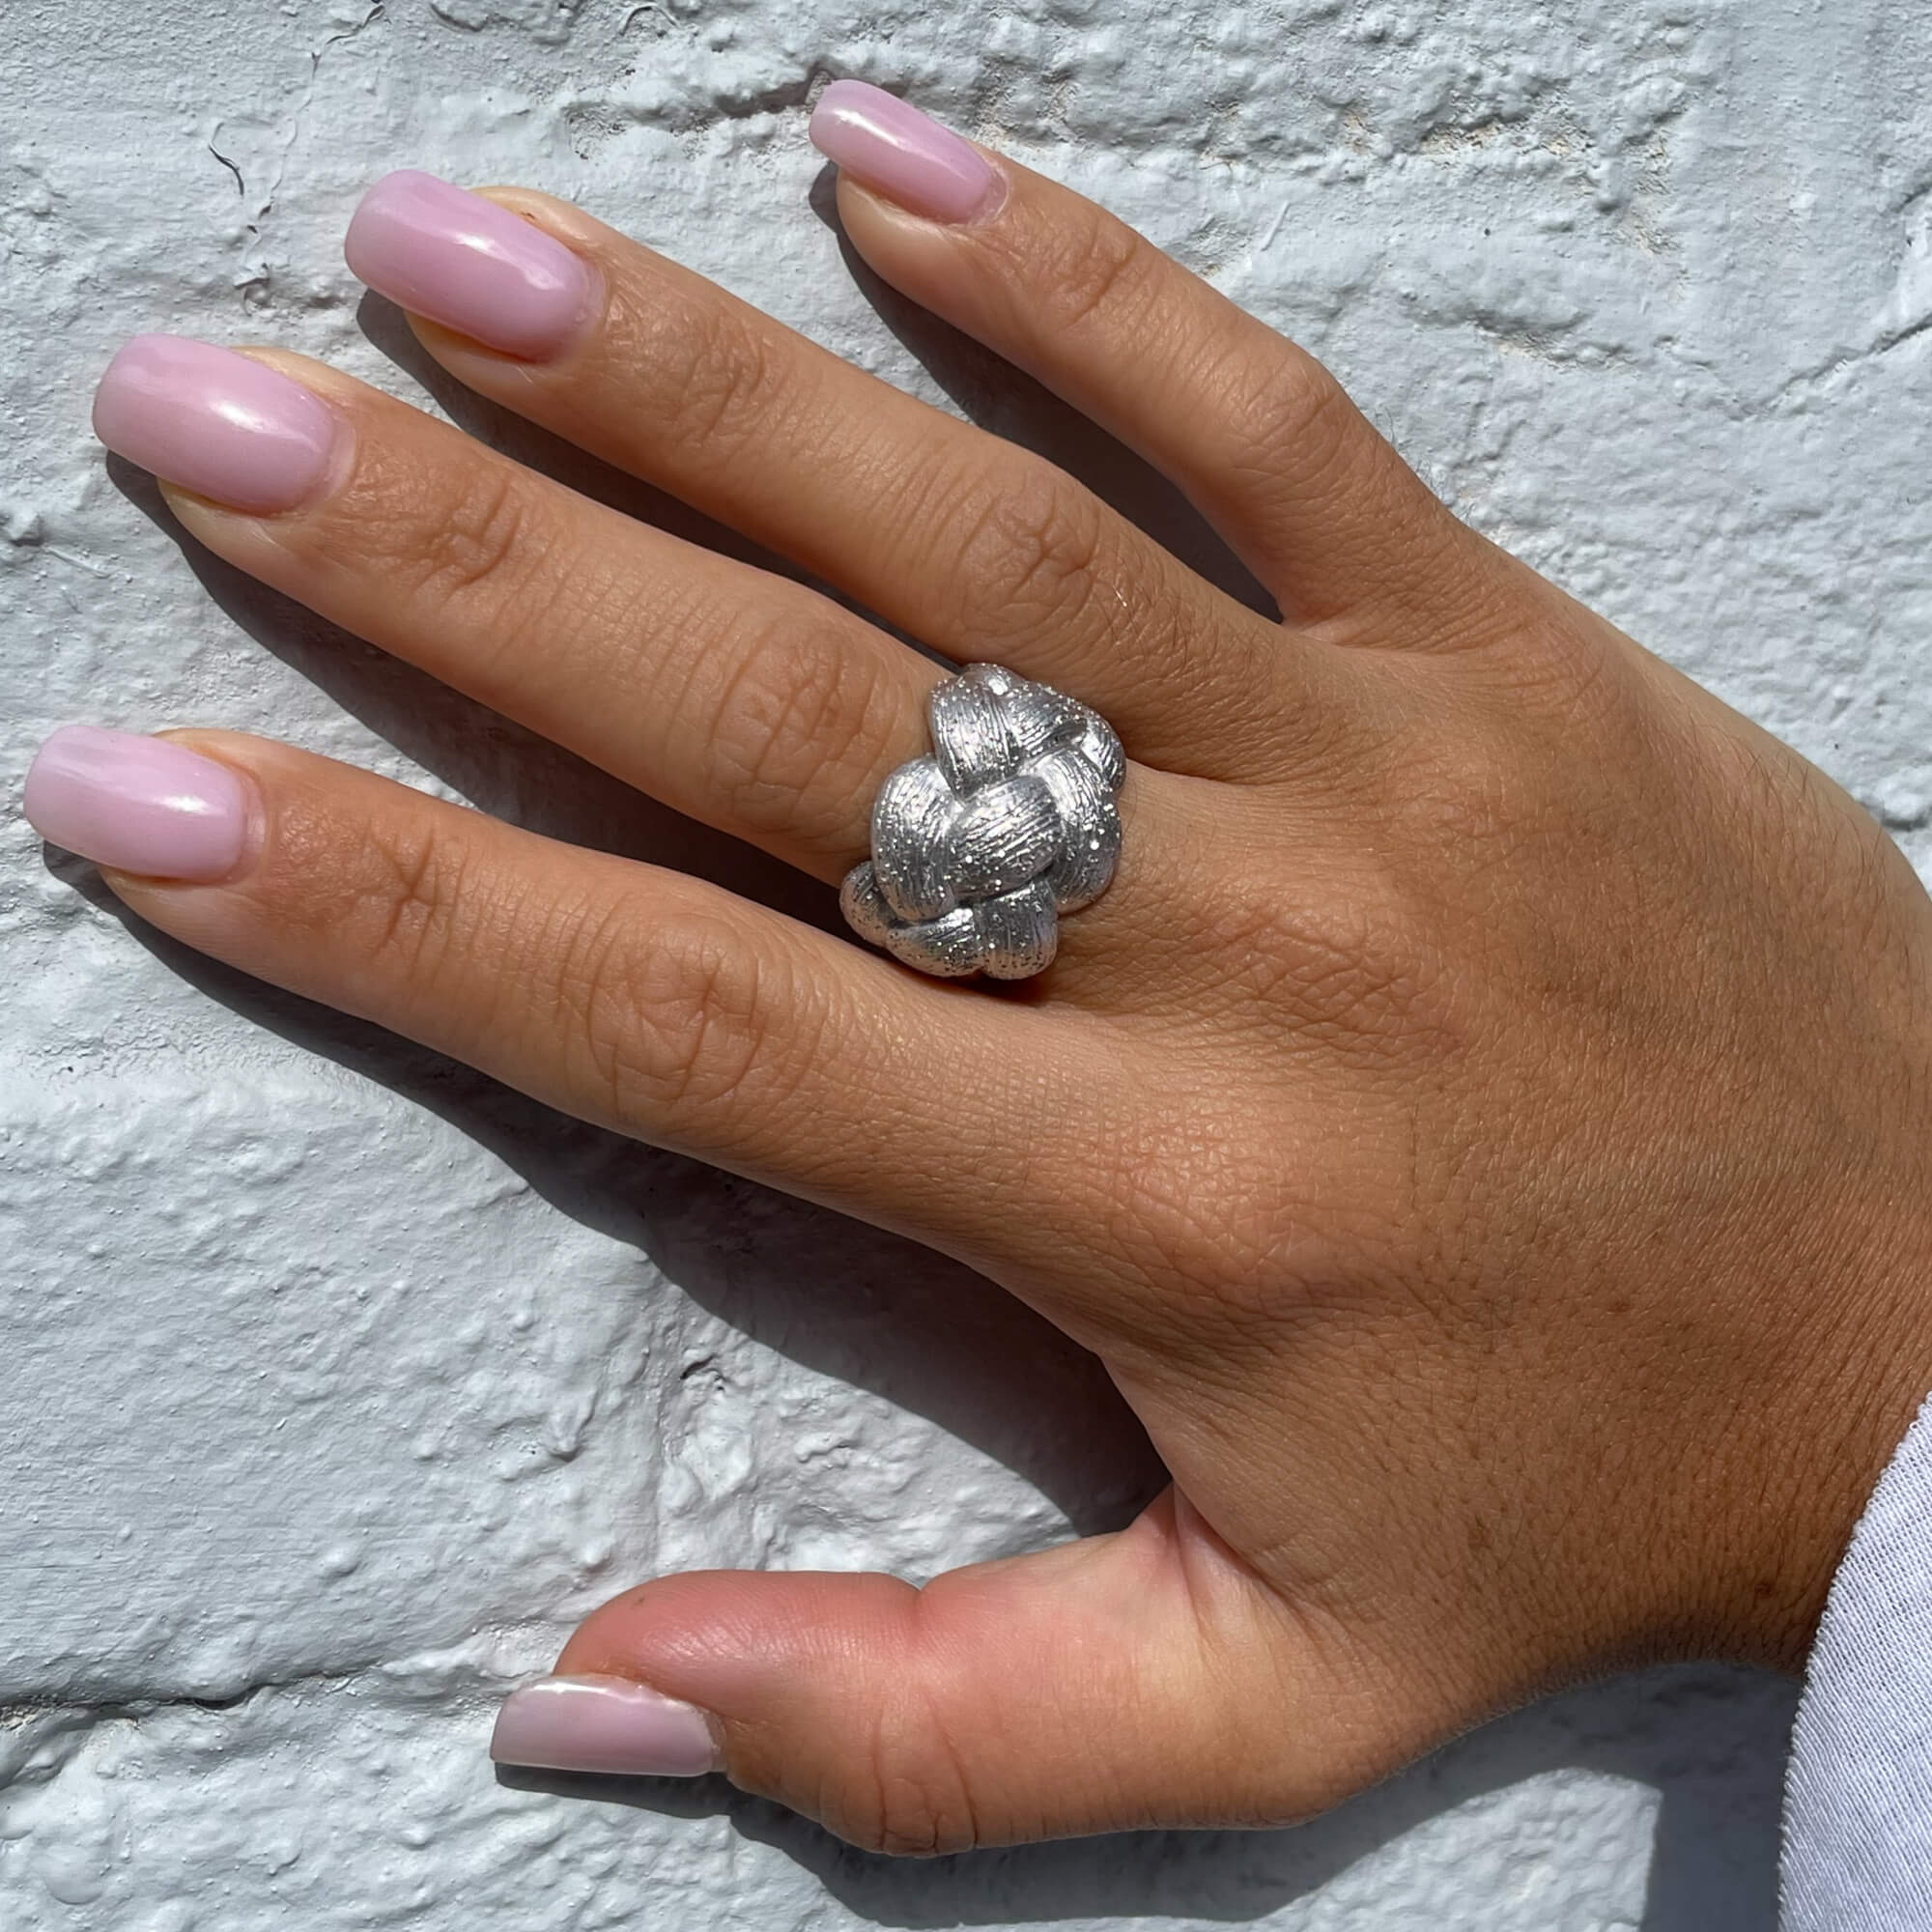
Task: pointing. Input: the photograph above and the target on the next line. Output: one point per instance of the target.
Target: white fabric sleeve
(1857, 1793)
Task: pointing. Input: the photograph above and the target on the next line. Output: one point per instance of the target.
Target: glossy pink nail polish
(137, 803)
(217, 423)
(443, 252)
(603, 1723)
(901, 153)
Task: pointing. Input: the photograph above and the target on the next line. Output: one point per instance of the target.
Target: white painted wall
(334, 1383)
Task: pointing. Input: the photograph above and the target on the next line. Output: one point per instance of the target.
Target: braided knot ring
(979, 848)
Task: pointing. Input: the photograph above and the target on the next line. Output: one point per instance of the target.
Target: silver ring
(979, 848)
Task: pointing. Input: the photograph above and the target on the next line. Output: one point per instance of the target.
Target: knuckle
(1028, 549)
(1185, 1221)
(1287, 405)
(1561, 667)
(722, 386)
(1474, 805)
(387, 896)
(420, 881)
(1092, 271)
(469, 552)
(795, 725)
(674, 1024)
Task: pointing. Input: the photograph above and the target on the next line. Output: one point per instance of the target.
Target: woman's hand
(1485, 1130)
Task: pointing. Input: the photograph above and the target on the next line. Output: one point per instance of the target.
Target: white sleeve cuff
(1858, 1795)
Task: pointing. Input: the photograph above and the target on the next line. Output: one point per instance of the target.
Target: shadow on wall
(865, 1307)
(1711, 1738)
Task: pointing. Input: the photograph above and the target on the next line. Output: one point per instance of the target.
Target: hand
(1483, 1130)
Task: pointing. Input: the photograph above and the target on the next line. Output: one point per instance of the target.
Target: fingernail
(603, 1723)
(217, 423)
(903, 155)
(461, 261)
(137, 803)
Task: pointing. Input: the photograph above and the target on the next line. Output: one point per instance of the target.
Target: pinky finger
(638, 997)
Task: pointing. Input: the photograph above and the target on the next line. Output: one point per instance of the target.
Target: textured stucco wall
(335, 1382)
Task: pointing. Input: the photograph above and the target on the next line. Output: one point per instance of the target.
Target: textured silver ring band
(979, 848)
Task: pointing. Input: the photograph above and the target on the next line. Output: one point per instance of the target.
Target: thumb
(1144, 1677)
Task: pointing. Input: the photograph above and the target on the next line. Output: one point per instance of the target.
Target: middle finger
(977, 546)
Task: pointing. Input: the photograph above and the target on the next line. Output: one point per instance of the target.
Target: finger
(1253, 429)
(976, 546)
(734, 695)
(1146, 1678)
(640, 999)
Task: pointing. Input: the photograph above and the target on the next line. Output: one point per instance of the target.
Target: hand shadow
(1712, 1738)
(850, 1302)
(838, 1297)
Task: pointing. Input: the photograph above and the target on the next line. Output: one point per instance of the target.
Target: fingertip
(905, 156)
(605, 1723)
(148, 807)
(471, 263)
(229, 426)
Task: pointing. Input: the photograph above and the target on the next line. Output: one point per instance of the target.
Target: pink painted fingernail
(443, 252)
(217, 423)
(603, 1723)
(903, 155)
(139, 805)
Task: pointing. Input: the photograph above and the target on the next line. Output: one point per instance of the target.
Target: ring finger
(968, 542)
